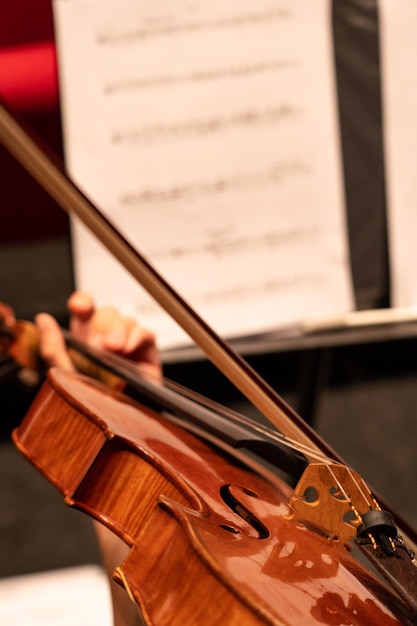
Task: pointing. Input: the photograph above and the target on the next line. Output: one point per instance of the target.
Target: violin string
(361, 485)
(124, 365)
(367, 497)
(283, 439)
(121, 365)
(133, 368)
(258, 427)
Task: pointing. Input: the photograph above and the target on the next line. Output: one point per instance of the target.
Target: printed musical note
(208, 133)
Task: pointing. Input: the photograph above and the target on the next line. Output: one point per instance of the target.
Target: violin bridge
(331, 499)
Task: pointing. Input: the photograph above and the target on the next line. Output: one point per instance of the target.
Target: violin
(215, 536)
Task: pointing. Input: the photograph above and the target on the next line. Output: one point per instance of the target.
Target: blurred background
(361, 395)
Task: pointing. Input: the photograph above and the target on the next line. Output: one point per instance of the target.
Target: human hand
(105, 329)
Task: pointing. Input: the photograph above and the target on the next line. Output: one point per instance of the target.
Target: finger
(52, 344)
(106, 329)
(6, 312)
(137, 338)
(81, 307)
(142, 341)
(123, 335)
(141, 347)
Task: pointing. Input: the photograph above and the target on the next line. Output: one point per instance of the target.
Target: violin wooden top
(210, 538)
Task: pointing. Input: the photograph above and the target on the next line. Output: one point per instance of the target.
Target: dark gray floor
(367, 412)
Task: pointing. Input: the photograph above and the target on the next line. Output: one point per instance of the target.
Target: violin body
(211, 536)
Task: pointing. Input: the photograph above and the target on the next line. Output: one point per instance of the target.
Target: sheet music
(207, 132)
(399, 50)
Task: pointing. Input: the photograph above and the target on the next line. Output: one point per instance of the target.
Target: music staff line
(105, 36)
(218, 247)
(198, 76)
(195, 190)
(291, 283)
(200, 127)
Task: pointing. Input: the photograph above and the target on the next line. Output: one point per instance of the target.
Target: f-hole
(243, 512)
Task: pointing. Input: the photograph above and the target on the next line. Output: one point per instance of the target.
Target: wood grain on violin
(212, 540)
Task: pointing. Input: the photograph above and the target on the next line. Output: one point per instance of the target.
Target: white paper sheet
(399, 80)
(73, 596)
(207, 132)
